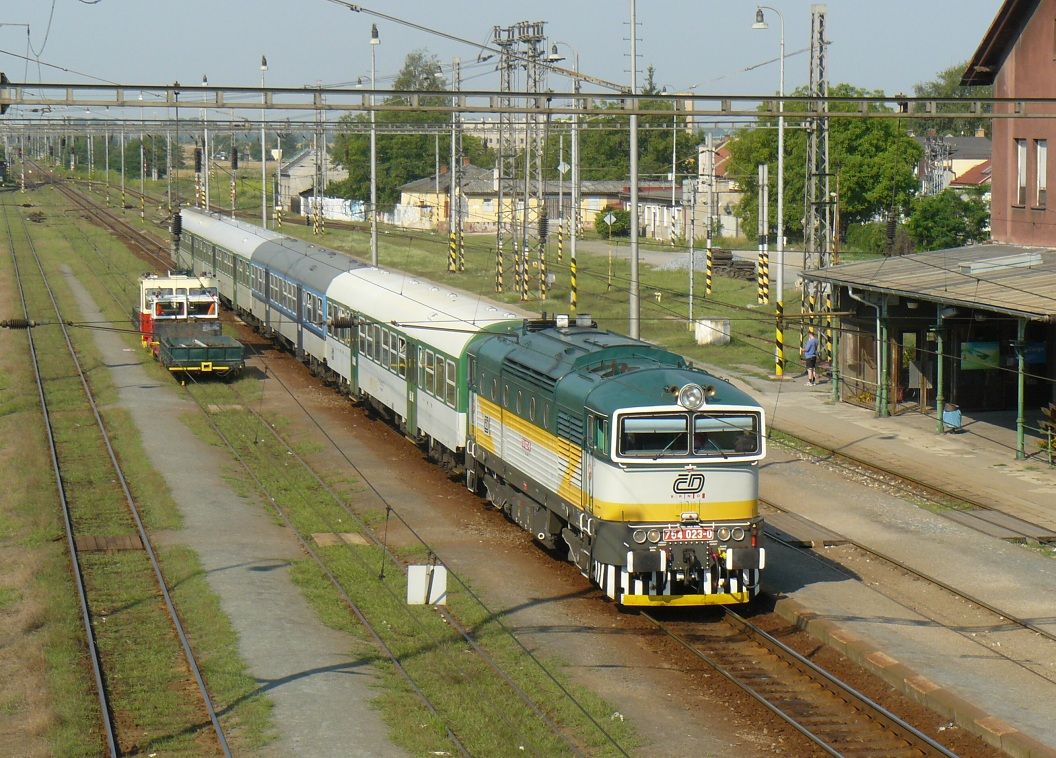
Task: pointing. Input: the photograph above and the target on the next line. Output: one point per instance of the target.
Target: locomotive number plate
(688, 534)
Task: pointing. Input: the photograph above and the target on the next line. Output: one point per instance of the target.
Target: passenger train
(640, 468)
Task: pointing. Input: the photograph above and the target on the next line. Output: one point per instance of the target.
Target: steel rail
(930, 492)
(134, 513)
(334, 581)
(71, 545)
(854, 699)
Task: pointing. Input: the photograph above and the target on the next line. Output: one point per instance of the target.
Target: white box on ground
(712, 331)
(426, 585)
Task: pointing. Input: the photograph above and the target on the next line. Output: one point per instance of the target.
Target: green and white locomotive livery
(643, 468)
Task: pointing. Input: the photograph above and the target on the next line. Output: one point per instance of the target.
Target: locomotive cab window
(725, 434)
(660, 436)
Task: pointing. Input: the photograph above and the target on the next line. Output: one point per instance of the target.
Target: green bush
(621, 227)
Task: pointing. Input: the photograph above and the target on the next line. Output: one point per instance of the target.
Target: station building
(972, 326)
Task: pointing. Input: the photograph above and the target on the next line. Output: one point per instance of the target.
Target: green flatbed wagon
(220, 355)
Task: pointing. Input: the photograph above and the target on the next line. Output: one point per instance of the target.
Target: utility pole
(375, 40)
(263, 147)
(205, 141)
(633, 304)
(453, 176)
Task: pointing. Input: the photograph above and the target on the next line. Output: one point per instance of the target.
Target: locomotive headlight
(654, 535)
(691, 396)
(723, 533)
(638, 535)
(737, 533)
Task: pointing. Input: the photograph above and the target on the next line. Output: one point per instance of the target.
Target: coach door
(408, 356)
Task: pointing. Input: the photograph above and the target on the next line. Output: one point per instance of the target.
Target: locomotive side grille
(529, 375)
(569, 427)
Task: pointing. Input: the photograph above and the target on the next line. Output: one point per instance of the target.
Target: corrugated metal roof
(1012, 279)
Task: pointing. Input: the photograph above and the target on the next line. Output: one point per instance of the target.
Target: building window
(1041, 150)
(1021, 172)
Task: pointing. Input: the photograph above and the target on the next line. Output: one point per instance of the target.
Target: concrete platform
(995, 681)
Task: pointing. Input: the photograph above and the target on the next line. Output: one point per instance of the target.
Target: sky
(888, 46)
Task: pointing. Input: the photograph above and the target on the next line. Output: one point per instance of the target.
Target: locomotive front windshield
(667, 435)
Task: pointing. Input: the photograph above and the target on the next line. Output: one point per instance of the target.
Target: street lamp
(574, 231)
(263, 148)
(205, 131)
(674, 153)
(760, 23)
(375, 40)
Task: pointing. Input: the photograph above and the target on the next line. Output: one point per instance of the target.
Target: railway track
(102, 520)
(912, 487)
(342, 589)
(838, 719)
(821, 718)
(986, 620)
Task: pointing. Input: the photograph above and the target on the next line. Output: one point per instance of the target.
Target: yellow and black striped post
(560, 241)
(542, 271)
(461, 248)
(765, 276)
(812, 308)
(572, 283)
(709, 271)
(524, 272)
(516, 270)
(498, 269)
(452, 251)
(779, 339)
(278, 216)
(760, 268)
(828, 322)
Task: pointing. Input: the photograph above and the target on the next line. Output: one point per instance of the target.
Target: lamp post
(263, 148)
(375, 40)
(574, 192)
(760, 23)
(205, 140)
(674, 154)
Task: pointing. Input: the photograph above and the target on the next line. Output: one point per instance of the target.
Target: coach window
(401, 357)
(368, 341)
(421, 367)
(428, 371)
(451, 387)
(438, 379)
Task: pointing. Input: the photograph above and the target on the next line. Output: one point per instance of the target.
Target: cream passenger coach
(639, 468)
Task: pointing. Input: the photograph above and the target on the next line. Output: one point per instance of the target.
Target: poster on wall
(980, 356)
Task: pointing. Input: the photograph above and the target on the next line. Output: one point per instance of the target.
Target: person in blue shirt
(809, 351)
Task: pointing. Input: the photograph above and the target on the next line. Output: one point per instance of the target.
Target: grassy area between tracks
(158, 707)
(486, 710)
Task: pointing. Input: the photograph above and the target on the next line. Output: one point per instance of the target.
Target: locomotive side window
(518, 409)
(494, 388)
(531, 409)
(601, 434)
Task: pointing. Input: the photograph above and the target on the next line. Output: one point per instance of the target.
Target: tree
(947, 83)
(605, 143)
(621, 222)
(874, 159)
(401, 157)
(951, 218)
